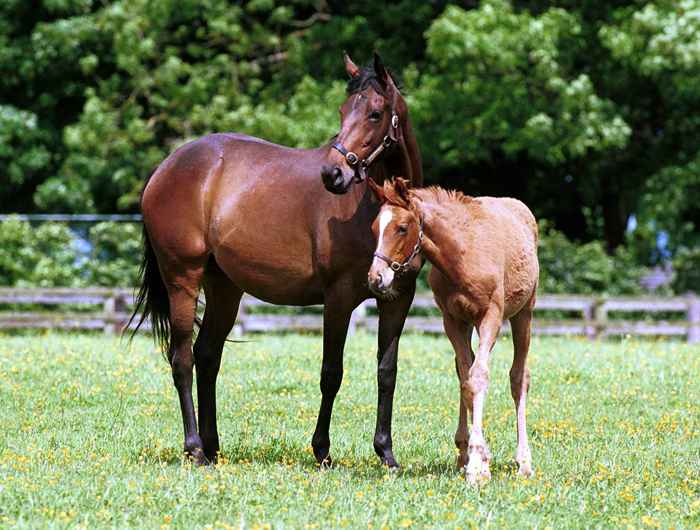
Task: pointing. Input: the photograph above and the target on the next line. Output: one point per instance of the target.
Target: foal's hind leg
(222, 300)
(520, 384)
(460, 335)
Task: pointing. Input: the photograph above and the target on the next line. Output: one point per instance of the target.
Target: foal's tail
(152, 299)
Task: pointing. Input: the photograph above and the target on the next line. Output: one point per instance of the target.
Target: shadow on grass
(289, 453)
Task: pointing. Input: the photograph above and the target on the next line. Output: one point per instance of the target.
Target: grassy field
(91, 438)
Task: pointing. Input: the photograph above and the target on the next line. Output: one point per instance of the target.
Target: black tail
(152, 300)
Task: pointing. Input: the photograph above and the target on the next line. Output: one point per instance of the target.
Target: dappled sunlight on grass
(92, 438)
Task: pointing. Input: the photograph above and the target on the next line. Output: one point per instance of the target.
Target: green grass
(91, 437)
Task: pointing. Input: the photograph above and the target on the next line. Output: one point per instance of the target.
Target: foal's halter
(402, 268)
(353, 160)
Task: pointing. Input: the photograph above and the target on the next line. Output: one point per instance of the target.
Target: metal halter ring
(351, 158)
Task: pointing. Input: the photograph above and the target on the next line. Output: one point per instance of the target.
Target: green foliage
(115, 256)
(568, 267)
(48, 256)
(686, 267)
(501, 79)
(41, 257)
(584, 110)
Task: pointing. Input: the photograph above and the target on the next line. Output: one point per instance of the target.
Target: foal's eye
(403, 230)
(375, 115)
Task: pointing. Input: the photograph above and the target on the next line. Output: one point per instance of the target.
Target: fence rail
(594, 317)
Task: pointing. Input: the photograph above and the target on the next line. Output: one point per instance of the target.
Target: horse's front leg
(392, 316)
(336, 319)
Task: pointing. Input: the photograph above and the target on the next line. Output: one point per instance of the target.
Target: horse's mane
(368, 76)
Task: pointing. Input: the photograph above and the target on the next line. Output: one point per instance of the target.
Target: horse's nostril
(337, 172)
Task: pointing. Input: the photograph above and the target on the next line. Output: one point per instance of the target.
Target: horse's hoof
(462, 461)
(197, 457)
(326, 463)
(390, 462)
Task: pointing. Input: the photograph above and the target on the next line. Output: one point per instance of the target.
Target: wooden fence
(593, 317)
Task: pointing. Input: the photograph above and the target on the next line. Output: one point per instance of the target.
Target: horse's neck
(411, 155)
(403, 161)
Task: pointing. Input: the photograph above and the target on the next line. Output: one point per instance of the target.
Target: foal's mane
(437, 195)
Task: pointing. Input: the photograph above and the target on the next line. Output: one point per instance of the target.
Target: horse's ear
(377, 190)
(380, 70)
(350, 67)
(401, 186)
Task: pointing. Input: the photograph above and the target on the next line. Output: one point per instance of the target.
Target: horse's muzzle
(334, 180)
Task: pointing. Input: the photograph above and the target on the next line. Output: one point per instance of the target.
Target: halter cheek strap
(403, 267)
(353, 160)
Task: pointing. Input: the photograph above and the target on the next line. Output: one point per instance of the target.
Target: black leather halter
(353, 160)
(402, 268)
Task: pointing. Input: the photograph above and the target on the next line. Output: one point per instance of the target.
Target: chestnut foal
(485, 269)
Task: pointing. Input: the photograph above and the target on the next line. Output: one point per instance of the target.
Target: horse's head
(399, 232)
(371, 121)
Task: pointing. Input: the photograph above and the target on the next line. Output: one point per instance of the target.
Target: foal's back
(496, 240)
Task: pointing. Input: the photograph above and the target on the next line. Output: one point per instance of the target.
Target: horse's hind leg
(183, 290)
(520, 384)
(222, 301)
(460, 334)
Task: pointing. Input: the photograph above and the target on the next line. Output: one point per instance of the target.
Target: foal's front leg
(460, 335)
(476, 388)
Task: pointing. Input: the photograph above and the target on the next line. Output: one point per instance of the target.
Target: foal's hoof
(477, 471)
(525, 470)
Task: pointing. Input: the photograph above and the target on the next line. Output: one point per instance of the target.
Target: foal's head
(370, 123)
(399, 232)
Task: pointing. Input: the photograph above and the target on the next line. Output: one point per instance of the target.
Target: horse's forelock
(366, 77)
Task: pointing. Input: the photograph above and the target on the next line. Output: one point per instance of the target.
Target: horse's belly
(267, 268)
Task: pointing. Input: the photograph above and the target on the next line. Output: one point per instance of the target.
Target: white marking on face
(385, 271)
(384, 220)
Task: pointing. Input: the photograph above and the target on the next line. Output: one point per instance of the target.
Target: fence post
(358, 317)
(600, 313)
(693, 320)
(589, 316)
(239, 325)
(109, 314)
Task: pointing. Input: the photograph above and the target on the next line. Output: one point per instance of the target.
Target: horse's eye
(403, 229)
(375, 115)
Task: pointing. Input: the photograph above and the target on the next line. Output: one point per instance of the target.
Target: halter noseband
(402, 268)
(353, 160)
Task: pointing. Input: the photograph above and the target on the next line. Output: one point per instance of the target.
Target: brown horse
(485, 269)
(232, 214)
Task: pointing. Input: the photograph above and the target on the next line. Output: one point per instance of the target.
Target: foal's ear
(377, 190)
(350, 67)
(401, 186)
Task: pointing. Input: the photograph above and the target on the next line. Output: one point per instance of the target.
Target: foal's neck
(441, 247)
